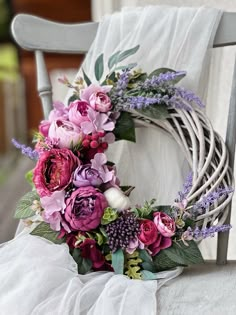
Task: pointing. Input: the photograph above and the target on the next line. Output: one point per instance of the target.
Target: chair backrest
(40, 35)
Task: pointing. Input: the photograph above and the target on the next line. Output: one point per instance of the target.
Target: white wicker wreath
(77, 192)
(206, 154)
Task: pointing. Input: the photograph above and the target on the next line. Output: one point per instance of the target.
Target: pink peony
(68, 133)
(44, 127)
(91, 89)
(85, 208)
(148, 232)
(160, 243)
(78, 112)
(164, 224)
(100, 102)
(54, 171)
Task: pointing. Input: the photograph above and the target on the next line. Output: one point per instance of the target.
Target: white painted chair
(40, 35)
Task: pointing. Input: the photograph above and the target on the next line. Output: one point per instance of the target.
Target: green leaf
(183, 254)
(163, 262)
(86, 78)
(113, 59)
(156, 111)
(143, 254)
(130, 66)
(72, 98)
(23, 207)
(44, 230)
(148, 275)
(125, 54)
(165, 209)
(29, 177)
(149, 266)
(99, 67)
(118, 261)
(124, 129)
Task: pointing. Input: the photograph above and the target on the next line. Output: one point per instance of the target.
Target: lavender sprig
(28, 151)
(207, 200)
(186, 187)
(122, 83)
(188, 96)
(156, 81)
(198, 233)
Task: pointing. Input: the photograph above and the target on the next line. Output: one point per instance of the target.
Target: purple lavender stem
(28, 151)
(198, 233)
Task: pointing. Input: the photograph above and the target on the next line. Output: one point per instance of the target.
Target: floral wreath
(77, 197)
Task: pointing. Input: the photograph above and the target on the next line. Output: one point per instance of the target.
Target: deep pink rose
(148, 232)
(68, 133)
(164, 224)
(54, 171)
(85, 208)
(160, 243)
(100, 102)
(78, 112)
(89, 250)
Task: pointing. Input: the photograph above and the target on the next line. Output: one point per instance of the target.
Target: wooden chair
(39, 35)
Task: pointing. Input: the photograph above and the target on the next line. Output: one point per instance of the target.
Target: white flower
(116, 199)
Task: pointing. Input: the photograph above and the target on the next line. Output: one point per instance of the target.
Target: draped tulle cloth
(38, 277)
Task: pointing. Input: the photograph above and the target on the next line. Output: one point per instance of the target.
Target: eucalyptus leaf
(148, 275)
(23, 207)
(125, 54)
(112, 61)
(149, 266)
(86, 78)
(44, 230)
(156, 111)
(125, 129)
(118, 261)
(99, 67)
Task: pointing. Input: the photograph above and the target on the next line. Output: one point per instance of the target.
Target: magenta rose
(68, 133)
(160, 243)
(148, 232)
(164, 224)
(85, 175)
(100, 102)
(85, 208)
(54, 171)
(78, 112)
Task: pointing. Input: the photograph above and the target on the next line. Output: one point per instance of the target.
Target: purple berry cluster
(122, 231)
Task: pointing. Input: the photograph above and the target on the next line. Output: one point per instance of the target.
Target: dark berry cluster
(122, 231)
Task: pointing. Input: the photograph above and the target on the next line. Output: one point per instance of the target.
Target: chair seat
(206, 289)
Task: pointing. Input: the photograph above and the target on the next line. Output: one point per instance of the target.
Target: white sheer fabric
(38, 277)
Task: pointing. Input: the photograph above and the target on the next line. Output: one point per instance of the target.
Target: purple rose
(85, 208)
(85, 175)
